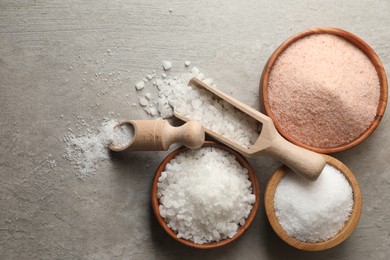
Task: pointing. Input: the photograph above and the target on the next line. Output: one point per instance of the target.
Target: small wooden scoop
(306, 163)
(158, 135)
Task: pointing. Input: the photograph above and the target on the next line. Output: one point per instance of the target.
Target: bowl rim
(343, 234)
(363, 46)
(255, 189)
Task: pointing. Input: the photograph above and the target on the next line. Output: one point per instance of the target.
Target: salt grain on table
(167, 65)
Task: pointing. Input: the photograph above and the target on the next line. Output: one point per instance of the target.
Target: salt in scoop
(158, 135)
(305, 163)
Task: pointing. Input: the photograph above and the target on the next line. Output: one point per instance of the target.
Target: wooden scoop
(158, 135)
(306, 163)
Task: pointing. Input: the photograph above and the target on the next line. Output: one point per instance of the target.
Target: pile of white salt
(205, 195)
(88, 150)
(195, 104)
(323, 91)
(313, 211)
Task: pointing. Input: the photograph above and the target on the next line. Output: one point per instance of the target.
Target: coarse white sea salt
(167, 65)
(88, 150)
(216, 115)
(313, 211)
(140, 85)
(205, 195)
(196, 104)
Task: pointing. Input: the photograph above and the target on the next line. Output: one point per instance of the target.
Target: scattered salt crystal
(313, 211)
(51, 163)
(187, 63)
(88, 150)
(140, 85)
(163, 75)
(148, 95)
(195, 71)
(208, 81)
(153, 111)
(205, 195)
(143, 101)
(216, 115)
(167, 65)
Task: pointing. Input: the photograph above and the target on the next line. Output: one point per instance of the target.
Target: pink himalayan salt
(323, 91)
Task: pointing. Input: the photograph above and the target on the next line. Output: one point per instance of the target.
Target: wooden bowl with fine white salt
(203, 195)
(325, 89)
(275, 218)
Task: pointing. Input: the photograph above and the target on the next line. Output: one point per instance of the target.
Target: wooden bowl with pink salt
(325, 89)
(314, 216)
(207, 197)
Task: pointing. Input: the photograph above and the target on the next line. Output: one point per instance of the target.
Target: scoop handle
(158, 135)
(305, 163)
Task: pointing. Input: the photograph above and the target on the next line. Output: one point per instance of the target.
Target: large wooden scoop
(306, 163)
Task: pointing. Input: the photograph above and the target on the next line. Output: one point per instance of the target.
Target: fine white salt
(313, 211)
(205, 195)
(88, 150)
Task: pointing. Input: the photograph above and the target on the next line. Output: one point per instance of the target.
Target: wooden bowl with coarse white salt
(201, 196)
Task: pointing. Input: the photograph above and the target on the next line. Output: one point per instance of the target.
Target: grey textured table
(50, 52)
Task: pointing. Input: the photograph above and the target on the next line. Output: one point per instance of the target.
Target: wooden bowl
(340, 236)
(255, 188)
(264, 100)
